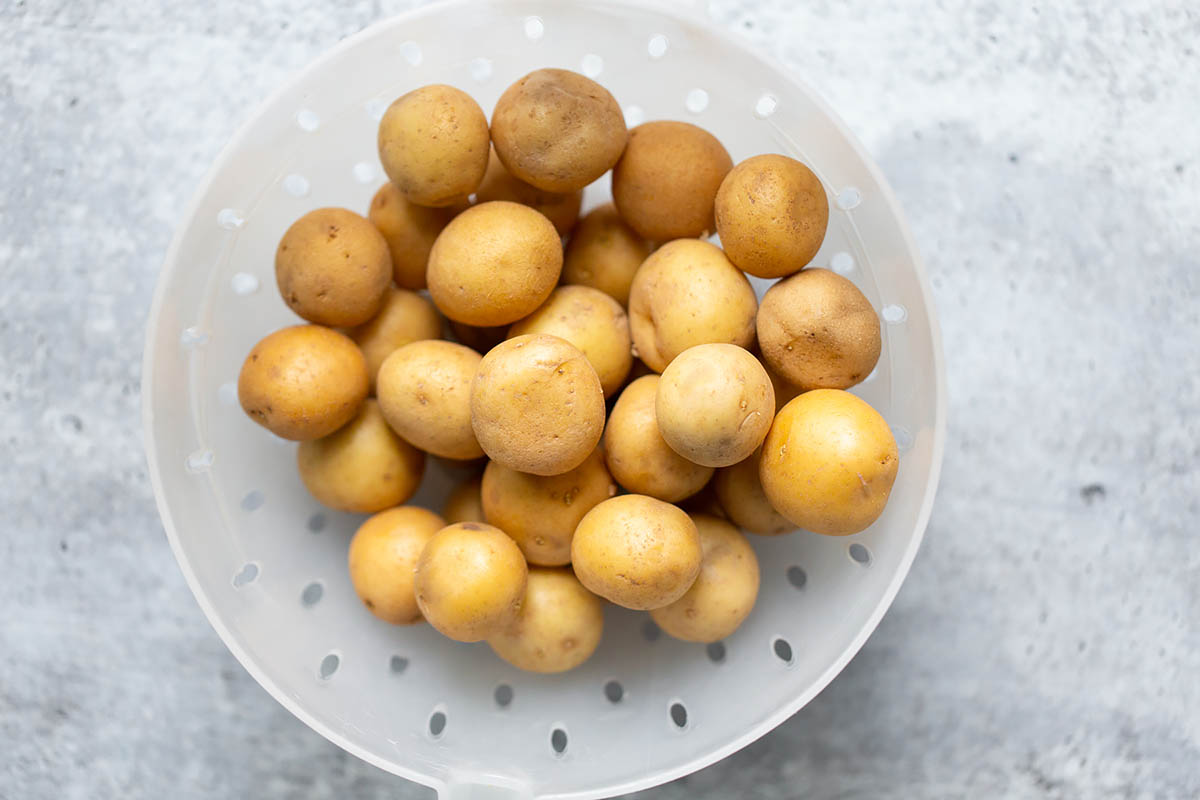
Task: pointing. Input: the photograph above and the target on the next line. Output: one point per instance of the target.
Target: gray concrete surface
(1046, 643)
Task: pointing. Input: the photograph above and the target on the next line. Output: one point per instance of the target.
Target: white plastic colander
(268, 564)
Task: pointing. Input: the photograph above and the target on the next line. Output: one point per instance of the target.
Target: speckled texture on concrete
(1047, 642)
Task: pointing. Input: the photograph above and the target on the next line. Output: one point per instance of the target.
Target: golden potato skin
(363, 466)
(409, 230)
(638, 456)
(771, 214)
(714, 404)
(636, 551)
(687, 293)
(433, 143)
(561, 209)
(557, 130)
(537, 405)
(332, 267)
(405, 317)
(470, 581)
(465, 503)
(667, 179)
(541, 513)
(383, 557)
(741, 496)
(818, 331)
(829, 462)
(604, 253)
(425, 395)
(724, 592)
(494, 263)
(303, 382)
(559, 625)
(593, 322)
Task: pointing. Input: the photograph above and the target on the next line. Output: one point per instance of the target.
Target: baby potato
(561, 209)
(818, 331)
(714, 404)
(771, 214)
(687, 293)
(537, 405)
(593, 322)
(405, 317)
(829, 462)
(494, 263)
(479, 339)
(740, 493)
(541, 513)
(383, 558)
(409, 230)
(333, 268)
(558, 130)
(470, 581)
(636, 551)
(604, 253)
(559, 625)
(724, 592)
(433, 143)
(363, 466)
(465, 503)
(303, 382)
(667, 179)
(425, 395)
(638, 456)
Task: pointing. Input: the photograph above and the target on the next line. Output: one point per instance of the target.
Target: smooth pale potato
(558, 130)
(771, 213)
(409, 230)
(537, 405)
(638, 456)
(559, 625)
(303, 382)
(332, 267)
(593, 322)
(424, 392)
(433, 143)
(494, 263)
(363, 466)
(405, 317)
(465, 503)
(636, 551)
(604, 253)
(383, 557)
(479, 339)
(741, 496)
(724, 592)
(829, 462)
(541, 513)
(667, 179)
(561, 209)
(818, 331)
(714, 404)
(687, 293)
(470, 581)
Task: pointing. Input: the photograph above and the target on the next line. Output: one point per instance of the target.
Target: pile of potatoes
(624, 404)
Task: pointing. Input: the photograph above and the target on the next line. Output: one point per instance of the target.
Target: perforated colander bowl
(267, 564)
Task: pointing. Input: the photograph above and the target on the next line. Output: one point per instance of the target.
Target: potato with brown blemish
(561, 209)
(465, 503)
(425, 395)
(405, 317)
(410, 231)
(604, 253)
(740, 493)
(559, 625)
(383, 557)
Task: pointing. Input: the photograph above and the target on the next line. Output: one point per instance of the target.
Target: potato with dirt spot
(465, 503)
(383, 557)
(740, 493)
(405, 317)
(425, 394)
(410, 231)
(559, 625)
(562, 209)
(604, 253)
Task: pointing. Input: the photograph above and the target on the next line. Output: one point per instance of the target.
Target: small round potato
(470, 581)
(740, 493)
(714, 404)
(541, 513)
(818, 331)
(303, 382)
(771, 214)
(687, 293)
(465, 503)
(433, 143)
(333, 268)
(559, 625)
(829, 462)
(405, 317)
(481, 340)
(724, 592)
(561, 209)
(383, 557)
(638, 456)
(409, 230)
(666, 181)
(558, 130)
(425, 395)
(604, 253)
(593, 322)
(537, 405)
(494, 263)
(636, 551)
(363, 466)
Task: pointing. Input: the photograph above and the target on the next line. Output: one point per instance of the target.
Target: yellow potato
(561, 209)
(425, 395)
(465, 503)
(409, 230)
(470, 581)
(383, 558)
(829, 462)
(604, 253)
(405, 317)
(363, 466)
(558, 628)
(741, 496)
